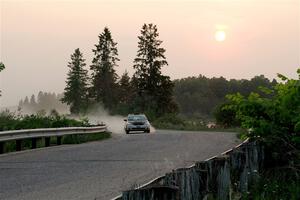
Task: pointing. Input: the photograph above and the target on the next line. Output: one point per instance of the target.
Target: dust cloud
(98, 115)
(115, 123)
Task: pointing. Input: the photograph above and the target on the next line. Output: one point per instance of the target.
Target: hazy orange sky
(38, 37)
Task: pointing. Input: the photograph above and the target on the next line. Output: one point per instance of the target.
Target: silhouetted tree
(125, 89)
(104, 77)
(26, 101)
(32, 103)
(32, 100)
(21, 103)
(154, 91)
(75, 93)
(1, 68)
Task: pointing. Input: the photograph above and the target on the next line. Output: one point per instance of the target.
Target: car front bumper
(137, 128)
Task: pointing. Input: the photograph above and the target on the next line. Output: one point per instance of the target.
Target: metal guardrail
(19, 135)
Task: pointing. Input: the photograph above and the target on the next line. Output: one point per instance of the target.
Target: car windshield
(136, 118)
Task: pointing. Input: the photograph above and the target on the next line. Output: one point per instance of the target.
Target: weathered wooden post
(219, 178)
(18, 145)
(154, 192)
(187, 180)
(202, 169)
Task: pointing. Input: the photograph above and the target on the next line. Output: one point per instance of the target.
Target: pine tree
(26, 102)
(2, 67)
(32, 100)
(32, 103)
(104, 77)
(75, 93)
(125, 89)
(155, 91)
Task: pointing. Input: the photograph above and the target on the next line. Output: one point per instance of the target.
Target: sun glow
(220, 36)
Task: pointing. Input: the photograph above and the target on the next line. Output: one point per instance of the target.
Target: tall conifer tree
(2, 66)
(155, 91)
(104, 77)
(75, 93)
(125, 89)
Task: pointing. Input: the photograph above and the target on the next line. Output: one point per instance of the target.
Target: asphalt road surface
(101, 170)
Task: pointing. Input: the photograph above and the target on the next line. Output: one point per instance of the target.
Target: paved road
(101, 170)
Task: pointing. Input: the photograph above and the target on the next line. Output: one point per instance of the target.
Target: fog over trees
(45, 102)
(196, 96)
(147, 91)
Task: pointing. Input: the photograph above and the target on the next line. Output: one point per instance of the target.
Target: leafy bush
(276, 122)
(177, 122)
(169, 121)
(225, 115)
(11, 121)
(272, 186)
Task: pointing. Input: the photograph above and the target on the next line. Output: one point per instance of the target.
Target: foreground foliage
(272, 187)
(274, 120)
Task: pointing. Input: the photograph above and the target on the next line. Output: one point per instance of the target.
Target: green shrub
(169, 121)
(274, 186)
(275, 121)
(77, 139)
(11, 121)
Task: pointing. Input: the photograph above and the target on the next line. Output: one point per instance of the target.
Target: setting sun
(220, 36)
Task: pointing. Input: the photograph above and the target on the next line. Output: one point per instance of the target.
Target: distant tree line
(45, 102)
(148, 91)
(201, 95)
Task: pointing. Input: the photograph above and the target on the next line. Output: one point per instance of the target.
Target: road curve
(101, 170)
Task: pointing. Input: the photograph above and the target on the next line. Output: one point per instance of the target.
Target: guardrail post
(33, 143)
(18, 145)
(47, 141)
(59, 140)
(1, 147)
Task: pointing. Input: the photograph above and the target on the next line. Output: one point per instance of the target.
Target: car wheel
(127, 132)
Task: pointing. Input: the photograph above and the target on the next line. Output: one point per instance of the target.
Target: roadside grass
(177, 122)
(195, 128)
(81, 138)
(26, 144)
(274, 187)
(12, 121)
